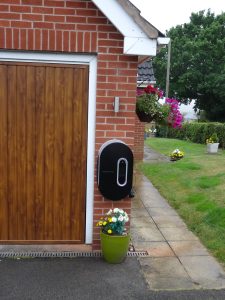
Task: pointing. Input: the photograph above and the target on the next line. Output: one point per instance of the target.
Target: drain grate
(63, 254)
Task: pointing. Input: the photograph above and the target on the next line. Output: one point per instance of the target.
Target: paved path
(177, 259)
(152, 156)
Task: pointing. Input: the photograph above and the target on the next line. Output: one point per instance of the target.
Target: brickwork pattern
(139, 139)
(73, 26)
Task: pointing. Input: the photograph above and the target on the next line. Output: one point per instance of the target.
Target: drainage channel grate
(63, 254)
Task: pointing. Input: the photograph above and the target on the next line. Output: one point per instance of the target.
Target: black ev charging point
(115, 170)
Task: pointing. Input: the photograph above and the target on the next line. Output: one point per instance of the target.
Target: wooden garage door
(43, 140)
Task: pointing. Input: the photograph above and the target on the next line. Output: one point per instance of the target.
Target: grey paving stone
(155, 249)
(146, 234)
(178, 234)
(168, 221)
(137, 203)
(166, 273)
(204, 270)
(141, 221)
(188, 248)
(152, 203)
(161, 211)
(139, 212)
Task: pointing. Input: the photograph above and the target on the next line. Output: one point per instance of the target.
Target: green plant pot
(114, 247)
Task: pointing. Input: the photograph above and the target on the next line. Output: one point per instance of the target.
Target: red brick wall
(139, 139)
(78, 26)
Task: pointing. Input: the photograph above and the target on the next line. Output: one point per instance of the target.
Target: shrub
(195, 132)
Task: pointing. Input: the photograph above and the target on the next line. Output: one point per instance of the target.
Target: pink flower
(175, 117)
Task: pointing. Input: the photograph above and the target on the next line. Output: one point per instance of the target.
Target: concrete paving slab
(161, 211)
(188, 248)
(166, 273)
(178, 234)
(139, 212)
(155, 249)
(204, 270)
(153, 203)
(141, 222)
(168, 221)
(149, 234)
(137, 203)
(152, 156)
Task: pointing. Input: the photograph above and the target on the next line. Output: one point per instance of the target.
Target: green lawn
(195, 187)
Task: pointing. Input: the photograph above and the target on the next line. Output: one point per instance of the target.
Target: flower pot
(212, 147)
(143, 117)
(114, 247)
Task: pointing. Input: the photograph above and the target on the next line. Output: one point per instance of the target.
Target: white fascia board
(140, 46)
(163, 41)
(136, 41)
(119, 18)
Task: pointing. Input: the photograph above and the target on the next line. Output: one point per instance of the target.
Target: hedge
(194, 132)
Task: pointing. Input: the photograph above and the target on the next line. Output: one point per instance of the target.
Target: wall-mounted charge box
(115, 170)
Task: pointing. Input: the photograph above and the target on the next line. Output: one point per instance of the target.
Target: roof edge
(150, 30)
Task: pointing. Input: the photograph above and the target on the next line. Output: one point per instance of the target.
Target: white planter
(212, 148)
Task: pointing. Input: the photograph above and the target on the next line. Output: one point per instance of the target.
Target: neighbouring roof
(145, 73)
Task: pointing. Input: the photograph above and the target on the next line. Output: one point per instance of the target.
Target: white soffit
(136, 41)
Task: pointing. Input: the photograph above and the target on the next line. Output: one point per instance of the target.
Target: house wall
(139, 139)
(72, 26)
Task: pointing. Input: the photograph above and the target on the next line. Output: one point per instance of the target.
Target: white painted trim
(90, 60)
(140, 46)
(136, 41)
(163, 41)
(120, 18)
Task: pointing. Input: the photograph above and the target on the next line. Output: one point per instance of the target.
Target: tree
(197, 63)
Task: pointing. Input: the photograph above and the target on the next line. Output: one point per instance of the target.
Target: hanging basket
(143, 117)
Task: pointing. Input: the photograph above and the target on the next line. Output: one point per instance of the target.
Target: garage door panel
(21, 151)
(67, 151)
(3, 155)
(49, 152)
(40, 154)
(31, 151)
(12, 152)
(46, 133)
(58, 153)
(79, 108)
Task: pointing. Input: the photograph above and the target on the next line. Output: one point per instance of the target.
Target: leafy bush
(195, 132)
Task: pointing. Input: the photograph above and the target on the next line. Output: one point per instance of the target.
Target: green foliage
(206, 182)
(214, 137)
(195, 132)
(197, 63)
(149, 104)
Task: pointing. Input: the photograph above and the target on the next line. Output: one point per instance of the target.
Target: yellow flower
(110, 220)
(104, 223)
(109, 231)
(100, 223)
